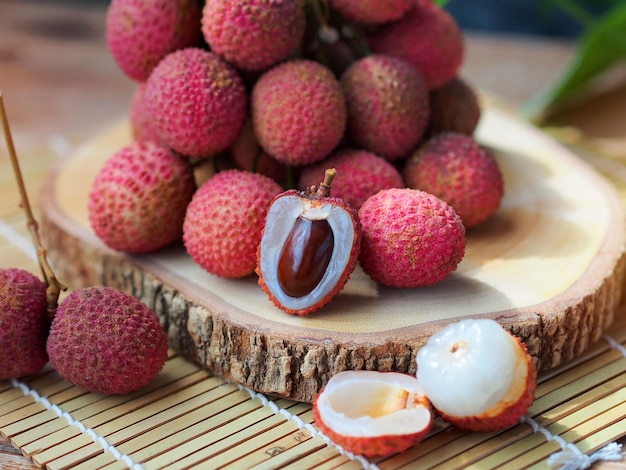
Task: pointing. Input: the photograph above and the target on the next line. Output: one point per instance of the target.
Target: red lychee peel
(139, 34)
(106, 341)
(142, 126)
(197, 101)
(410, 238)
(253, 35)
(138, 199)
(23, 323)
(225, 219)
(454, 107)
(371, 12)
(298, 112)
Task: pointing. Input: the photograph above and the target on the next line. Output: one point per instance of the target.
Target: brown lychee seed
(309, 248)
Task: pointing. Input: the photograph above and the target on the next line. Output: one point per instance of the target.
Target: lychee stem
(323, 190)
(54, 286)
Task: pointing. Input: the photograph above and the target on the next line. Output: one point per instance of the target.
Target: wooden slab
(548, 266)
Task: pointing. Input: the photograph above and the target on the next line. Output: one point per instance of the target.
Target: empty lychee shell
(309, 248)
(373, 413)
(477, 375)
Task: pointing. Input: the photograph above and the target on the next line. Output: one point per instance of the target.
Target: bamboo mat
(188, 418)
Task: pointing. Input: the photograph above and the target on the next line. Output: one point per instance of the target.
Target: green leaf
(602, 45)
(441, 3)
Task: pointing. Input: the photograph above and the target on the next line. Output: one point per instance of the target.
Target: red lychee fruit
(411, 238)
(142, 125)
(387, 103)
(373, 413)
(309, 248)
(140, 33)
(23, 323)
(224, 222)
(371, 11)
(477, 375)
(138, 199)
(428, 37)
(454, 107)
(360, 174)
(298, 112)
(197, 101)
(106, 341)
(253, 35)
(455, 168)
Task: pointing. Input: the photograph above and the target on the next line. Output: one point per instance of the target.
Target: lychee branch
(54, 286)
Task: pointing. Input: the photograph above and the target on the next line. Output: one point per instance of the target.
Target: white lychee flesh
(281, 218)
(472, 367)
(370, 403)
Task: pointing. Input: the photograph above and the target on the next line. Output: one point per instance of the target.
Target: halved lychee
(373, 413)
(477, 375)
(309, 247)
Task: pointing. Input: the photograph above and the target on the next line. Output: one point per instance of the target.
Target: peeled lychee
(373, 413)
(197, 101)
(428, 37)
(253, 35)
(106, 341)
(360, 174)
(138, 199)
(298, 112)
(387, 103)
(309, 248)
(224, 222)
(371, 11)
(454, 107)
(455, 168)
(140, 33)
(411, 238)
(477, 375)
(23, 323)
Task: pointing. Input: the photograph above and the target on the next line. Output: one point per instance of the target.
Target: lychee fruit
(298, 112)
(411, 238)
(428, 37)
(140, 33)
(369, 12)
(360, 174)
(373, 413)
(455, 168)
(23, 323)
(309, 248)
(106, 341)
(253, 35)
(138, 199)
(477, 375)
(141, 124)
(224, 222)
(454, 107)
(387, 104)
(197, 101)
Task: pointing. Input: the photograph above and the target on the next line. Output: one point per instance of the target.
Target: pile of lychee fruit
(295, 140)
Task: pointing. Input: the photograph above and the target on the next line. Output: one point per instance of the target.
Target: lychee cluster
(277, 93)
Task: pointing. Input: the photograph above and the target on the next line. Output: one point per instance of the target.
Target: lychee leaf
(440, 3)
(600, 47)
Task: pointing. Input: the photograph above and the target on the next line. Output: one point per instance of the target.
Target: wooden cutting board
(548, 266)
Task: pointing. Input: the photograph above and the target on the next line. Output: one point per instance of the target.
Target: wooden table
(61, 86)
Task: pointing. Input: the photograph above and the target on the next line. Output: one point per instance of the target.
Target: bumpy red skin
(341, 282)
(298, 112)
(253, 35)
(388, 105)
(360, 174)
(381, 446)
(106, 341)
(455, 168)
(410, 238)
(371, 11)
(426, 36)
(140, 33)
(454, 107)
(197, 102)
(225, 220)
(141, 123)
(23, 323)
(138, 199)
(509, 416)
